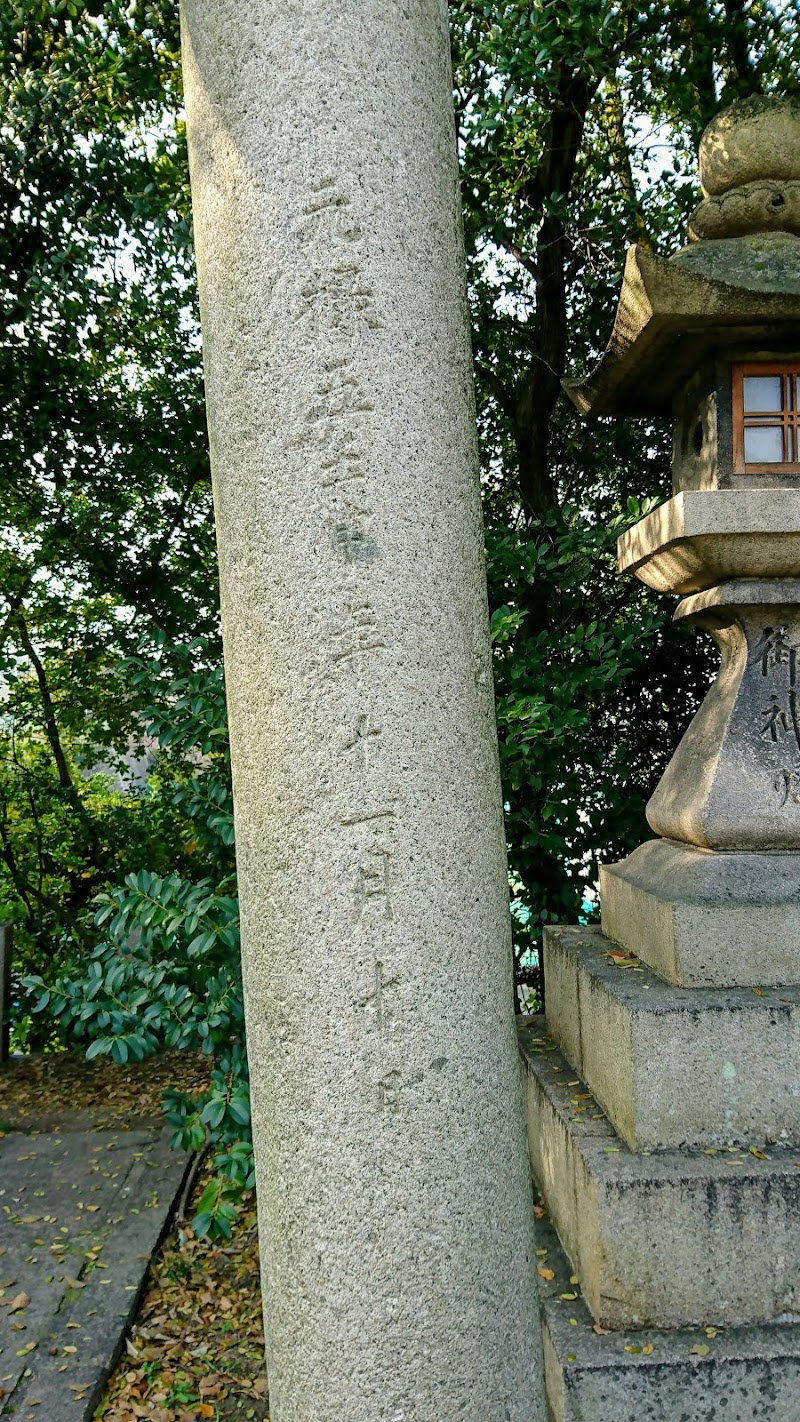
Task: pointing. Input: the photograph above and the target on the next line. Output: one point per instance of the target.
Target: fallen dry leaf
(186, 1344)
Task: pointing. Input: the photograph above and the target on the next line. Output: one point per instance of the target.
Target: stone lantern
(671, 1162)
(713, 334)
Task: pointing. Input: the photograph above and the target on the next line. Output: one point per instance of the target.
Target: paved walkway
(81, 1213)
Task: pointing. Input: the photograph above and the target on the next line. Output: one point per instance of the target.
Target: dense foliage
(577, 125)
(116, 840)
(166, 971)
(106, 532)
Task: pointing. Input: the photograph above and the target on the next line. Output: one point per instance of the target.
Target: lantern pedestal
(734, 781)
(649, 1235)
(744, 1372)
(701, 1067)
(704, 919)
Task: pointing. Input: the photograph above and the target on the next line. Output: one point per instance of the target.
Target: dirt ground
(37, 1092)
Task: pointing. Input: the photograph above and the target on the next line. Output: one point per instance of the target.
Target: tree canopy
(106, 536)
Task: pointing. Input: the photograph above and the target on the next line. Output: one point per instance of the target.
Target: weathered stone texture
(757, 137)
(734, 781)
(393, 1191)
(700, 538)
(744, 1374)
(756, 207)
(741, 1374)
(674, 1066)
(675, 311)
(702, 919)
(665, 1240)
(689, 1214)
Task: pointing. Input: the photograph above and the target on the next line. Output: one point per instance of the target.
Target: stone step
(705, 919)
(737, 1375)
(664, 1240)
(673, 1066)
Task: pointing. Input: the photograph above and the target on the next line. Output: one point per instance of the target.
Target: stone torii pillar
(393, 1190)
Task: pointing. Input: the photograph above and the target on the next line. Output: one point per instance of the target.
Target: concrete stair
(663, 1240)
(674, 1066)
(664, 1132)
(744, 1374)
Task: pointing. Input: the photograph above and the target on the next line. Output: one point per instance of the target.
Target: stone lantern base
(741, 1374)
(663, 1089)
(663, 1126)
(701, 918)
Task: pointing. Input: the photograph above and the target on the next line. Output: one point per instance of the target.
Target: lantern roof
(738, 282)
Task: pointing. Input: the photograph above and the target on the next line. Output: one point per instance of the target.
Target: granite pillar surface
(394, 1198)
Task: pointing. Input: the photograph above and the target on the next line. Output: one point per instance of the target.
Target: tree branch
(541, 387)
(737, 37)
(614, 123)
(50, 723)
(527, 262)
(17, 877)
(501, 394)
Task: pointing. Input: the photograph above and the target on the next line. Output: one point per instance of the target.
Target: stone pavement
(81, 1213)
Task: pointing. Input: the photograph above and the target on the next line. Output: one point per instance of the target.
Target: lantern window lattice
(766, 418)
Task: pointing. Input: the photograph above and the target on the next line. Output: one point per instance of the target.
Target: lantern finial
(750, 170)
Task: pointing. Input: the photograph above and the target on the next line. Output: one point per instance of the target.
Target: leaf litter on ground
(39, 1092)
(196, 1349)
